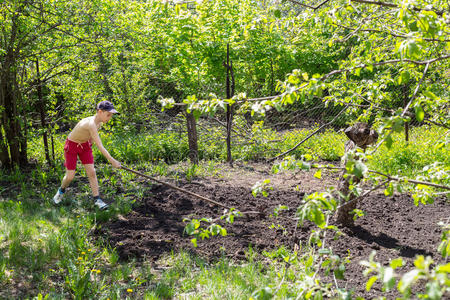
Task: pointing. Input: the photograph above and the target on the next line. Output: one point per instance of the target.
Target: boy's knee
(70, 174)
(90, 172)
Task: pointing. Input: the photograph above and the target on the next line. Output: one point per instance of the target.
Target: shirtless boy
(78, 144)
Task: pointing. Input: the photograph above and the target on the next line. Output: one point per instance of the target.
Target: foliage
(444, 246)
(262, 188)
(436, 277)
(194, 226)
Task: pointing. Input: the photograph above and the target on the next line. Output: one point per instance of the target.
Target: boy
(78, 144)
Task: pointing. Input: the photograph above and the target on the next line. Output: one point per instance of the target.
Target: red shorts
(72, 150)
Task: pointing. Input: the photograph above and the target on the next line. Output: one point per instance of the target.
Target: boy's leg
(92, 177)
(70, 174)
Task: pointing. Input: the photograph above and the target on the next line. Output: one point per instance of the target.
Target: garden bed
(392, 226)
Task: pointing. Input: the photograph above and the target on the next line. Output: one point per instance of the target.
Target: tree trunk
(192, 137)
(343, 216)
(4, 153)
(360, 135)
(4, 156)
(10, 146)
(42, 113)
(10, 119)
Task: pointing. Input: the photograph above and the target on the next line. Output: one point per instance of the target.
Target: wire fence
(311, 114)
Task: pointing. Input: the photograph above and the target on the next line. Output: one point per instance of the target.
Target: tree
(32, 31)
(68, 40)
(392, 45)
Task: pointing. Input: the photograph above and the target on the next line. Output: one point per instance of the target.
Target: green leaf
(339, 272)
(419, 262)
(305, 166)
(214, 229)
(318, 217)
(324, 251)
(309, 261)
(416, 199)
(389, 191)
(370, 282)
(359, 169)
(293, 79)
(405, 76)
(194, 242)
(389, 141)
(413, 49)
(420, 114)
(413, 26)
(397, 124)
(196, 114)
(318, 174)
(396, 263)
(430, 95)
(277, 13)
(223, 231)
(444, 268)
(305, 76)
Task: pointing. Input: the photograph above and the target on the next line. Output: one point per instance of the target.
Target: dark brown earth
(392, 226)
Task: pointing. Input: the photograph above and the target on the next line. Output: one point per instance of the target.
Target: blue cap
(107, 106)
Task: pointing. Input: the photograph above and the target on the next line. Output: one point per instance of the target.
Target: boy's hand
(116, 164)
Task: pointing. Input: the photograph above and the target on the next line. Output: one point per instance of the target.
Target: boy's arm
(96, 139)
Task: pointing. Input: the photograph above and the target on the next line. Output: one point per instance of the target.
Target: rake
(187, 192)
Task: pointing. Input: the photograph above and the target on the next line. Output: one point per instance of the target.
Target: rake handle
(175, 187)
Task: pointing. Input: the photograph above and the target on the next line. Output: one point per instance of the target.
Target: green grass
(425, 147)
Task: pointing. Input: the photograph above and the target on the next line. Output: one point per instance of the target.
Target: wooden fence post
(230, 92)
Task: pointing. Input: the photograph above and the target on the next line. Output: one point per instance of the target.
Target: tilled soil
(392, 226)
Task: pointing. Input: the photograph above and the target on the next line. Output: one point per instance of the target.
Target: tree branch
(365, 194)
(411, 180)
(391, 178)
(405, 110)
(387, 32)
(381, 63)
(309, 6)
(386, 4)
(380, 3)
(436, 123)
(309, 136)
(416, 90)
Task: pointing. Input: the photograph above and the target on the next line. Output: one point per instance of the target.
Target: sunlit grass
(426, 146)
